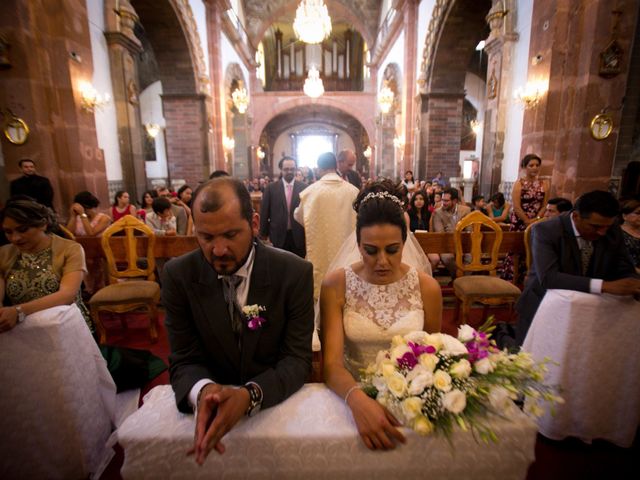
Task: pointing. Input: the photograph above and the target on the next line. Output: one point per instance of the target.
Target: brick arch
(452, 35)
(171, 31)
(343, 106)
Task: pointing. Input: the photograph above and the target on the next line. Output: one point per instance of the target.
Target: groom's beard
(227, 264)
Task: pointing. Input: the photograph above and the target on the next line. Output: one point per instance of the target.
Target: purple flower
(420, 349)
(408, 361)
(256, 322)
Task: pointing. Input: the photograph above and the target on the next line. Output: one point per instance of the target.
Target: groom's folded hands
(219, 409)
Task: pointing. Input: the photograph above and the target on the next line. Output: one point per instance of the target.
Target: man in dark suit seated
(214, 341)
(582, 250)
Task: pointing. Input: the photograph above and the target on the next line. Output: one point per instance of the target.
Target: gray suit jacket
(277, 356)
(557, 264)
(273, 214)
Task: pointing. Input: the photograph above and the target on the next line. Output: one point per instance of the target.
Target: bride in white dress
(363, 305)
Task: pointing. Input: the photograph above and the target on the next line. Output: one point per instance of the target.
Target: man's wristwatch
(255, 398)
(21, 314)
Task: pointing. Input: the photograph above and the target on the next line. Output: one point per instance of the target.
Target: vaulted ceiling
(259, 14)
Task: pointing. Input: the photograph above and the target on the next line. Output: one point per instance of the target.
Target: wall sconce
(228, 144)
(260, 153)
(398, 142)
(531, 94)
(385, 98)
(475, 126)
(152, 129)
(367, 152)
(90, 99)
(240, 98)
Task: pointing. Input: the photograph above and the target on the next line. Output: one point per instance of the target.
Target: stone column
(499, 49)
(214, 12)
(441, 130)
(570, 38)
(124, 47)
(410, 26)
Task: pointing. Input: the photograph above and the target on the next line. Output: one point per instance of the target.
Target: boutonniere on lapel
(252, 312)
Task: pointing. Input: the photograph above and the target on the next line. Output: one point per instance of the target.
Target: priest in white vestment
(327, 215)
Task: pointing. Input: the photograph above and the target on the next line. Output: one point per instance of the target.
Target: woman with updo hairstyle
(529, 197)
(365, 304)
(38, 270)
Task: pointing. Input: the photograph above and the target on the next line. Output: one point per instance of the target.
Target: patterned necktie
(230, 285)
(585, 253)
(289, 195)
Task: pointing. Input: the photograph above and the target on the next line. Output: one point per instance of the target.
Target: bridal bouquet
(432, 382)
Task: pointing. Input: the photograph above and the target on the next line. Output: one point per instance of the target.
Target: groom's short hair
(212, 200)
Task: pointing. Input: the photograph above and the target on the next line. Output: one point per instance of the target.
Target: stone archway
(324, 115)
(164, 30)
(452, 35)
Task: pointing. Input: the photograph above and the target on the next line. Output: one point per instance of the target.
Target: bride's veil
(412, 254)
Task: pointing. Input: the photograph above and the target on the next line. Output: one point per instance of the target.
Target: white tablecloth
(58, 399)
(310, 436)
(595, 339)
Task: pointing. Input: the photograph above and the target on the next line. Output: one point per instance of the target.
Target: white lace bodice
(373, 314)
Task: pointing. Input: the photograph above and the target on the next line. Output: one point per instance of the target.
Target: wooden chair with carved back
(132, 284)
(488, 290)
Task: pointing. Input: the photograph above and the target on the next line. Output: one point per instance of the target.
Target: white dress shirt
(242, 292)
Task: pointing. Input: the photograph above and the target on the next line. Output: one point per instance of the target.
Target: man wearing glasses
(279, 200)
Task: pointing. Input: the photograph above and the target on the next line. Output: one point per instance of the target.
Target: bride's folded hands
(376, 425)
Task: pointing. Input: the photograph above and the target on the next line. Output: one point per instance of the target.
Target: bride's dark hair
(380, 203)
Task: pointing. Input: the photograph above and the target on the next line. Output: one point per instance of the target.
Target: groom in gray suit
(582, 250)
(214, 342)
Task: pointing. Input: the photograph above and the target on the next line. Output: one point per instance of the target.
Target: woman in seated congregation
(84, 218)
(38, 270)
(418, 212)
(122, 206)
(365, 304)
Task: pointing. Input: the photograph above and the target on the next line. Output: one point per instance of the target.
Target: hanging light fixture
(90, 99)
(153, 129)
(228, 144)
(313, 86)
(385, 98)
(367, 152)
(260, 153)
(399, 141)
(240, 98)
(475, 126)
(312, 23)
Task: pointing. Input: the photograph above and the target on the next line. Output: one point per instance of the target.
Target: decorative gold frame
(601, 126)
(12, 129)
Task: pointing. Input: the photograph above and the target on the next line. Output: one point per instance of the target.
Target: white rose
(418, 337)
(461, 369)
(397, 340)
(417, 370)
(455, 401)
(483, 366)
(399, 351)
(465, 333)
(434, 340)
(397, 384)
(452, 346)
(421, 382)
(422, 425)
(442, 381)
(428, 361)
(381, 357)
(411, 407)
(387, 368)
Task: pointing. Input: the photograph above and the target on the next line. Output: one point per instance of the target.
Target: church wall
(229, 55)
(106, 122)
(151, 112)
(199, 15)
(425, 10)
(515, 111)
(475, 88)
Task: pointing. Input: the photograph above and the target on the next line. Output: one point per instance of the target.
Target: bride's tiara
(381, 195)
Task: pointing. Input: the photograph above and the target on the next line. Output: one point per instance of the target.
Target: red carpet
(565, 460)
